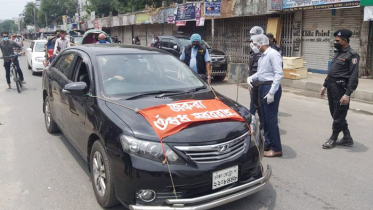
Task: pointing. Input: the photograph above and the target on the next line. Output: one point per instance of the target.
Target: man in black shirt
(341, 81)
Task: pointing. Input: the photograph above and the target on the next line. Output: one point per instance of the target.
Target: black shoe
(345, 141)
(330, 144)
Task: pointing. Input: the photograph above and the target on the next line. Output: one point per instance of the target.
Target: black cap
(343, 33)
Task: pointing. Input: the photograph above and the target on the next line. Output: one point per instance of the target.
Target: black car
(176, 44)
(92, 93)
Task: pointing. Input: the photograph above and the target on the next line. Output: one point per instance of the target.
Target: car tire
(219, 78)
(102, 176)
(50, 124)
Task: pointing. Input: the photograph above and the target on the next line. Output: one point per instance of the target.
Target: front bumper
(213, 200)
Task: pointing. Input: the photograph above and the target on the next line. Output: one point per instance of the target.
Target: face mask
(6, 39)
(254, 48)
(102, 41)
(58, 36)
(195, 45)
(338, 46)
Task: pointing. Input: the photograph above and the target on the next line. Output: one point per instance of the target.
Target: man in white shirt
(269, 77)
(61, 44)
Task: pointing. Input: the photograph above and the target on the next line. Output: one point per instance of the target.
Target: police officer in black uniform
(341, 81)
(253, 67)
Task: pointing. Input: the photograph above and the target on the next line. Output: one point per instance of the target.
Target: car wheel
(102, 176)
(219, 78)
(50, 124)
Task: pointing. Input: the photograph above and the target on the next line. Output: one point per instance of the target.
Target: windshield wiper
(179, 93)
(151, 93)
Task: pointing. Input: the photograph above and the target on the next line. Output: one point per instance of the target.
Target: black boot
(330, 144)
(347, 139)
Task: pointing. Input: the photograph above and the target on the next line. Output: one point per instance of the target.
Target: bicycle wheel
(16, 79)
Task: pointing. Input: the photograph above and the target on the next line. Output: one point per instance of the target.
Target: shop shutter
(352, 20)
(317, 31)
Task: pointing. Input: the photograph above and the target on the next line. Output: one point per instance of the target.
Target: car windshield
(185, 42)
(39, 47)
(130, 74)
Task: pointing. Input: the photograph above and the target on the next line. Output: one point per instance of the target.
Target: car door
(175, 48)
(29, 54)
(60, 71)
(77, 105)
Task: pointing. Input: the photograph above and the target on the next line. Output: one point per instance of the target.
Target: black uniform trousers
(255, 103)
(338, 111)
(7, 69)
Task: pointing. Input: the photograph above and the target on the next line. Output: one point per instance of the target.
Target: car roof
(109, 49)
(40, 40)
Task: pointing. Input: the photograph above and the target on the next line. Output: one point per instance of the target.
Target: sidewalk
(313, 83)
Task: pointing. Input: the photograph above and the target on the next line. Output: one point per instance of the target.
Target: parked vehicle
(91, 36)
(176, 44)
(75, 36)
(88, 92)
(35, 56)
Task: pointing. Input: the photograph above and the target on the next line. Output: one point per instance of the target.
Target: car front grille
(216, 152)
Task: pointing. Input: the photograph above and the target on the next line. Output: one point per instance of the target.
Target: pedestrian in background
(61, 43)
(136, 41)
(197, 57)
(341, 81)
(102, 39)
(269, 76)
(273, 42)
(253, 67)
(155, 43)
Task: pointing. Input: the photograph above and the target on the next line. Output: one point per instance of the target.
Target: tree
(53, 10)
(30, 13)
(100, 7)
(8, 25)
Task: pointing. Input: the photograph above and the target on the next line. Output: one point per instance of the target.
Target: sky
(11, 8)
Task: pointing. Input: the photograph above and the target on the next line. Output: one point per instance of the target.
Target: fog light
(146, 195)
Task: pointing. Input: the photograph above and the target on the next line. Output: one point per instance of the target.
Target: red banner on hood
(171, 118)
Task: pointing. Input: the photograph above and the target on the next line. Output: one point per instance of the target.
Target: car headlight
(149, 150)
(39, 59)
(254, 129)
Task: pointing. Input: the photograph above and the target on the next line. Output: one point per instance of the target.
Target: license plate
(224, 177)
(216, 64)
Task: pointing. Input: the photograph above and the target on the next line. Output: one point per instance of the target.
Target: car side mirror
(75, 88)
(29, 50)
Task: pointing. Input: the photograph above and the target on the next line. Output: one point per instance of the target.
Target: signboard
(185, 12)
(200, 22)
(276, 5)
(76, 17)
(180, 23)
(299, 5)
(368, 13)
(366, 3)
(212, 7)
(171, 19)
(93, 15)
(142, 18)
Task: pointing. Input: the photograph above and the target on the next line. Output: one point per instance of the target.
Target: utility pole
(212, 32)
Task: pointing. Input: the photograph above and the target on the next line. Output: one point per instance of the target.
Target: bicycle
(13, 72)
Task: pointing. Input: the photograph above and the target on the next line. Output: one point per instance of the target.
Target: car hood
(202, 132)
(215, 52)
(38, 54)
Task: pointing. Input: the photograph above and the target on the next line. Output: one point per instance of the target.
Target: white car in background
(35, 56)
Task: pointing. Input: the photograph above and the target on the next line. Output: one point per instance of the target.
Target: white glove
(270, 98)
(249, 81)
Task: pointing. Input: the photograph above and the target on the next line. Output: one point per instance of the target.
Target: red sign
(180, 23)
(171, 118)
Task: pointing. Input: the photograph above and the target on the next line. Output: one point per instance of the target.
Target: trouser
(254, 103)
(338, 111)
(269, 115)
(7, 69)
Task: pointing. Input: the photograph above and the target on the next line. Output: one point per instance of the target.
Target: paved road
(43, 171)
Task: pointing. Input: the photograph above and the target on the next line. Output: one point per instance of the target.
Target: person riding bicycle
(6, 47)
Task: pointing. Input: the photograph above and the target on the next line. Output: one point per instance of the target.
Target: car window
(81, 73)
(39, 47)
(32, 46)
(64, 63)
(125, 75)
(173, 43)
(165, 43)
